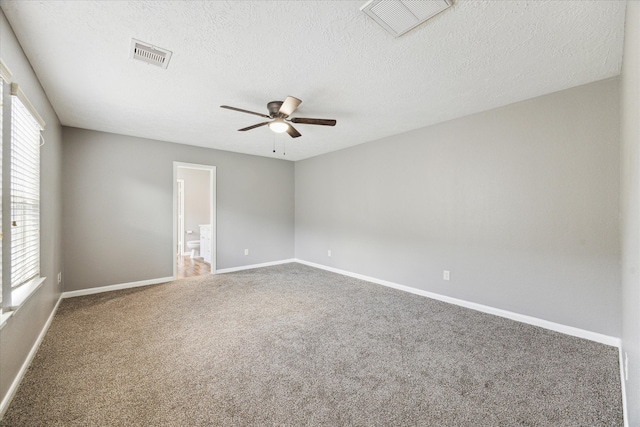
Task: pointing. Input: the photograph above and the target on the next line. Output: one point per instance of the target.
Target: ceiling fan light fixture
(278, 126)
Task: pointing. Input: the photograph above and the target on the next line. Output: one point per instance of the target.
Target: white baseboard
(623, 387)
(557, 327)
(4, 405)
(90, 291)
(249, 267)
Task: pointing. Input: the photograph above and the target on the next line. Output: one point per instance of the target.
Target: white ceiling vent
(150, 54)
(399, 16)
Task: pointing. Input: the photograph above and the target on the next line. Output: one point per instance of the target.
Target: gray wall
(520, 203)
(196, 202)
(21, 331)
(630, 213)
(118, 207)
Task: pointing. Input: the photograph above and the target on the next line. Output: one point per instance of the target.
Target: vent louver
(150, 54)
(400, 16)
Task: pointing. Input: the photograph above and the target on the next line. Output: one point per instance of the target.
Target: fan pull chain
(274, 143)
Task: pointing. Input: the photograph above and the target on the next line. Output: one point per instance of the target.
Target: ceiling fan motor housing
(274, 108)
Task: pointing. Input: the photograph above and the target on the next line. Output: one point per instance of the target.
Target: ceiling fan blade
(253, 127)
(293, 132)
(245, 111)
(307, 121)
(289, 106)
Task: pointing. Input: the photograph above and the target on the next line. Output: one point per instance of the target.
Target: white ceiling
(475, 56)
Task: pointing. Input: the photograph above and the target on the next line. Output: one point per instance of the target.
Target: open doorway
(194, 222)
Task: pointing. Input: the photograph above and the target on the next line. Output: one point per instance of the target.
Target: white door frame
(180, 219)
(212, 209)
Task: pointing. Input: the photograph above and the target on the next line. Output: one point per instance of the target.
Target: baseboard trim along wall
(90, 291)
(249, 267)
(4, 405)
(623, 387)
(557, 327)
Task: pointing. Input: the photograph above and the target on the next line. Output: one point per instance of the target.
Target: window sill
(19, 297)
(22, 294)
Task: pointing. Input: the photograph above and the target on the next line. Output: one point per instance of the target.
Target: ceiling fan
(280, 121)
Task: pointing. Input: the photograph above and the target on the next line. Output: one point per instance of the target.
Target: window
(20, 128)
(3, 80)
(25, 193)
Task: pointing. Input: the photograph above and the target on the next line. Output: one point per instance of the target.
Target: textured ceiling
(474, 56)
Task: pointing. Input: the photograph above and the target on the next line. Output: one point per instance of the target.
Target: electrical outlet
(445, 275)
(246, 251)
(329, 252)
(59, 278)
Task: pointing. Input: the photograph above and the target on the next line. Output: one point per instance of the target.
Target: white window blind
(25, 194)
(1, 142)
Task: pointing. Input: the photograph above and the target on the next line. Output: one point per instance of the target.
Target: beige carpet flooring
(290, 345)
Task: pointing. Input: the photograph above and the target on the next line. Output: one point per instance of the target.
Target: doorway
(194, 219)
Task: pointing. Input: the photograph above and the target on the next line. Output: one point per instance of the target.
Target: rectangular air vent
(399, 16)
(150, 54)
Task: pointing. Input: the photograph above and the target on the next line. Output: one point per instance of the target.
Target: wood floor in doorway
(190, 267)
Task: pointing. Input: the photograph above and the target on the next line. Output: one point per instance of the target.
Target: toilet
(194, 245)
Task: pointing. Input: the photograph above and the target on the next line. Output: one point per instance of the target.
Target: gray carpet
(292, 345)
